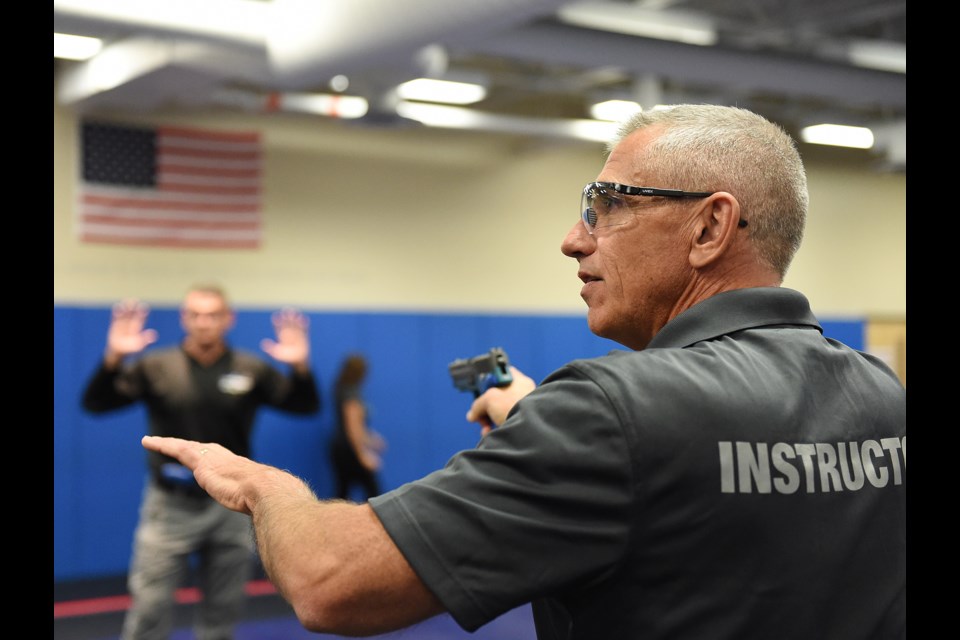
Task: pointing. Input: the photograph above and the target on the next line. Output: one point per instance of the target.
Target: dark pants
(348, 473)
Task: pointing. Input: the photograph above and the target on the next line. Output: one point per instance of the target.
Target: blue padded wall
(99, 465)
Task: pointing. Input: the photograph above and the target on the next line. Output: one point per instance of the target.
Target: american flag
(169, 186)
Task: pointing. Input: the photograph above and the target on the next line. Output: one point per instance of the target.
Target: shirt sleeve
(542, 504)
(109, 389)
(291, 392)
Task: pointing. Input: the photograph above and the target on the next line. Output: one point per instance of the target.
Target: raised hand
(292, 345)
(126, 334)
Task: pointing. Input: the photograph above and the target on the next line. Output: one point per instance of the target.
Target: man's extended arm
(299, 393)
(125, 336)
(332, 561)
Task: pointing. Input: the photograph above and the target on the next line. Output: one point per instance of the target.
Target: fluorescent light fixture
(443, 116)
(617, 17)
(75, 47)
(592, 130)
(445, 91)
(434, 115)
(879, 54)
(838, 135)
(334, 106)
(615, 110)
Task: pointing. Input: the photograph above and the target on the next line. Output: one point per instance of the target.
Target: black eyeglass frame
(629, 190)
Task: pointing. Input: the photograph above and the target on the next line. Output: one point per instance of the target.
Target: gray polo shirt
(741, 477)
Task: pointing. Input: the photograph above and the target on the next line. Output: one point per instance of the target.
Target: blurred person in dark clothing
(205, 389)
(355, 449)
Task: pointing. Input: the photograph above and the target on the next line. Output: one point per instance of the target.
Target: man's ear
(715, 230)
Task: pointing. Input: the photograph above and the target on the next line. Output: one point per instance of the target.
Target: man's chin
(595, 323)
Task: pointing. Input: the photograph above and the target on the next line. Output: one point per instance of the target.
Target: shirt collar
(734, 311)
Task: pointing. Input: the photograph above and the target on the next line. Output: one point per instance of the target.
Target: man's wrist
(276, 483)
(112, 360)
(302, 369)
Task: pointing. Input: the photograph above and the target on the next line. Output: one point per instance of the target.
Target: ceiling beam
(549, 42)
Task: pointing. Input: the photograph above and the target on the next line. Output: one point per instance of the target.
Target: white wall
(358, 218)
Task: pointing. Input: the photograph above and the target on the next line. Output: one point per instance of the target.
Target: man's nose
(577, 241)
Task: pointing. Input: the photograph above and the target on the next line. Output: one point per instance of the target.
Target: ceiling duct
(310, 41)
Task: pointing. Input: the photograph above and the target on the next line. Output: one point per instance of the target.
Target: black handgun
(481, 372)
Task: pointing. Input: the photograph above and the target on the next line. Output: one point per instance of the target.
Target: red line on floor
(110, 604)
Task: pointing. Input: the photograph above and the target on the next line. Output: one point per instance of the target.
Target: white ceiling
(795, 61)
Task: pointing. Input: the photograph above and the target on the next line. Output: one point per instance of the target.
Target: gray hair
(717, 148)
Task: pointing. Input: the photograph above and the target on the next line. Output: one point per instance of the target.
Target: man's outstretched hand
(234, 481)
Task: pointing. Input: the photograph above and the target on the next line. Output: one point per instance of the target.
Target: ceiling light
(838, 135)
(436, 115)
(635, 21)
(75, 47)
(614, 110)
(334, 106)
(878, 54)
(445, 91)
